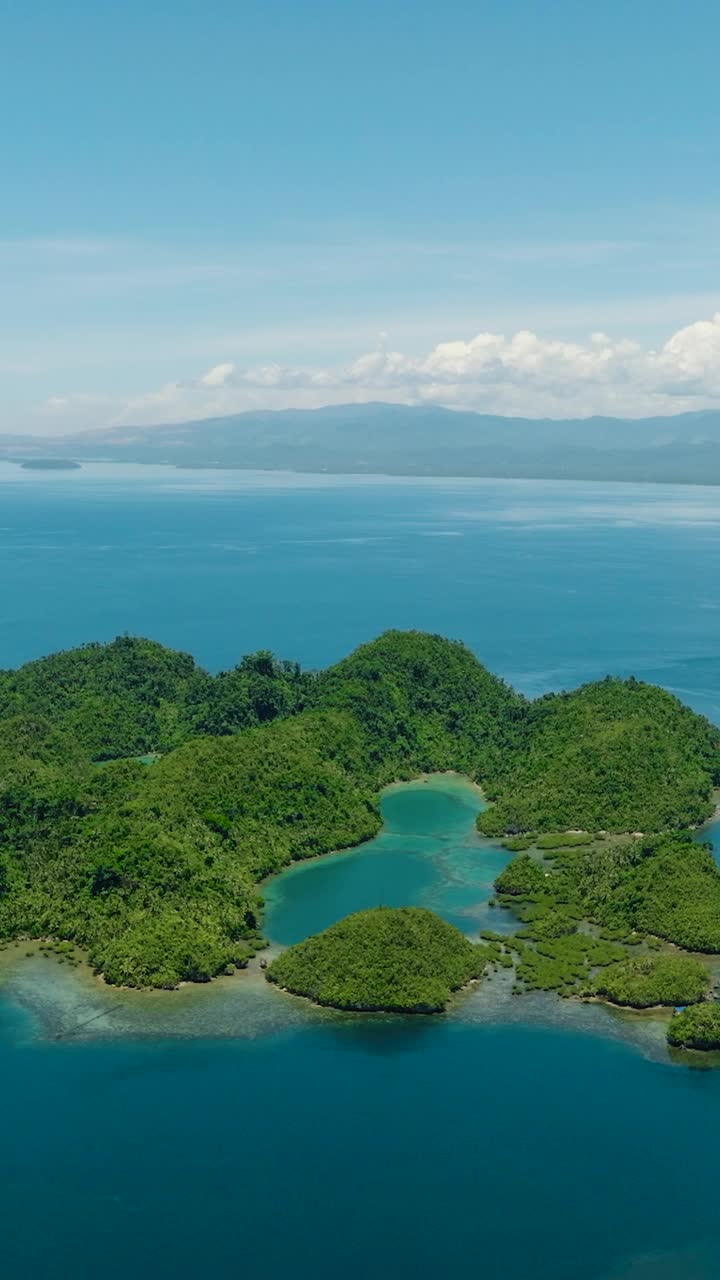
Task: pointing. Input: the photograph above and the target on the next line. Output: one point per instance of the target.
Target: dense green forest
(155, 869)
(394, 959)
(617, 755)
(644, 981)
(425, 704)
(133, 697)
(696, 1028)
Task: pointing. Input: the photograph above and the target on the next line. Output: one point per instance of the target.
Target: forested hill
(615, 755)
(410, 440)
(133, 697)
(154, 867)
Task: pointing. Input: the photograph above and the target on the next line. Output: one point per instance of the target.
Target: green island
(143, 801)
(398, 960)
(50, 464)
(696, 1028)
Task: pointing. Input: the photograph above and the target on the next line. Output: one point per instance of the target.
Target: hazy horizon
(358, 405)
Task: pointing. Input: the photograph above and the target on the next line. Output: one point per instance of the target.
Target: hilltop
(614, 755)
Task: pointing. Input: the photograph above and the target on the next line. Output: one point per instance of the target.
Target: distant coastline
(50, 464)
(407, 440)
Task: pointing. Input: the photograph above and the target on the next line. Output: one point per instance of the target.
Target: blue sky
(207, 207)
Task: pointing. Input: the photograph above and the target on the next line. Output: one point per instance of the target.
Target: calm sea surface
(550, 583)
(236, 1131)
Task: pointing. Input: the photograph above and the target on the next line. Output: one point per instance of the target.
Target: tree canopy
(424, 703)
(616, 755)
(155, 869)
(393, 959)
(696, 1028)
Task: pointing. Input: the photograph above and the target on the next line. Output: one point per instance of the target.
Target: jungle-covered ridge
(155, 870)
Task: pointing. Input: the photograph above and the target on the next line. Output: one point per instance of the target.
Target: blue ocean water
(374, 1151)
(381, 1147)
(550, 583)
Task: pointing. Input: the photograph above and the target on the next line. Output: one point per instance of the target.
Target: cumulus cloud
(522, 373)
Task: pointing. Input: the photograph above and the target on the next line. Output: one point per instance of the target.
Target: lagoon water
(427, 854)
(236, 1130)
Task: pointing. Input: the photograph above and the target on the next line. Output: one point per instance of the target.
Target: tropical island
(50, 464)
(143, 801)
(391, 960)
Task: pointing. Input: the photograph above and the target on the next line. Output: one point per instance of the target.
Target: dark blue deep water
(424, 1151)
(311, 1146)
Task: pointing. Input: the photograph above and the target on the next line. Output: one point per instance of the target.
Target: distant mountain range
(409, 441)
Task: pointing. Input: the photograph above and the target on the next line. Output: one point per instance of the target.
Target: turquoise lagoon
(234, 1130)
(428, 854)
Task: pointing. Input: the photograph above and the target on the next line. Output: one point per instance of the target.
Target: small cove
(428, 854)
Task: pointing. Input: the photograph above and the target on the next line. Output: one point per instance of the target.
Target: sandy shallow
(57, 1003)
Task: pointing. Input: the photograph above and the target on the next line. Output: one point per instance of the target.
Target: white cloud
(523, 374)
(693, 353)
(218, 376)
